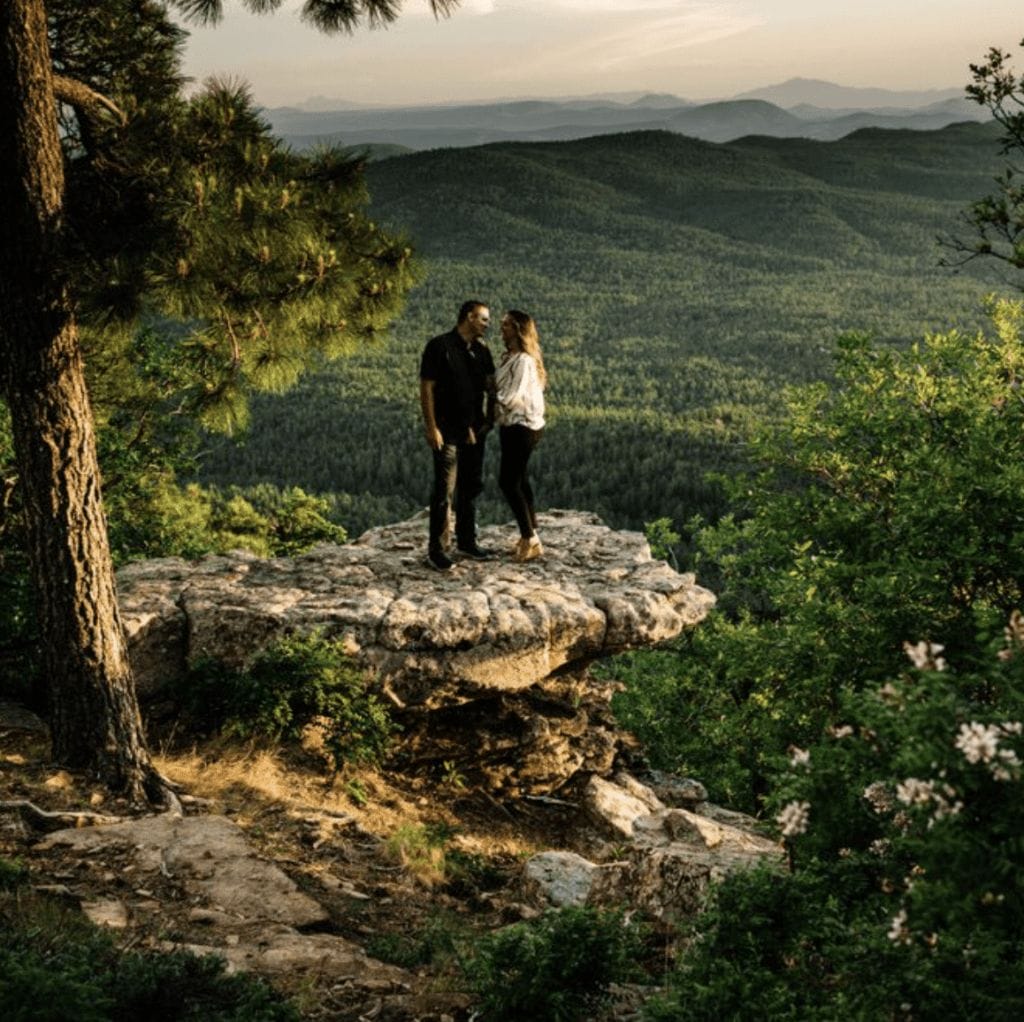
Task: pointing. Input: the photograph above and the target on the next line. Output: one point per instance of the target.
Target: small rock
(682, 792)
(112, 914)
(610, 804)
(558, 878)
(61, 779)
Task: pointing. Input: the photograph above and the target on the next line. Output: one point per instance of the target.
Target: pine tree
(120, 199)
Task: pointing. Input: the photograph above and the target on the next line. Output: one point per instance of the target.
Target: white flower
(978, 742)
(843, 731)
(913, 791)
(1014, 633)
(879, 797)
(799, 757)
(898, 931)
(924, 655)
(793, 818)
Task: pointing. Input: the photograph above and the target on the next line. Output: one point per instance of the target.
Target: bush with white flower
(866, 670)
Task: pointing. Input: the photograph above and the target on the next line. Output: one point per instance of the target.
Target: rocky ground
(377, 866)
(350, 893)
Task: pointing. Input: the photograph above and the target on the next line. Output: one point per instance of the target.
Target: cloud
(609, 38)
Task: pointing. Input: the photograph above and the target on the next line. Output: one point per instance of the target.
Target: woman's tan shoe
(529, 549)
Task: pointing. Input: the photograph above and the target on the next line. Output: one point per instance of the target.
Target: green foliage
(298, 682)
(887, 510)
(904, 827)
(556, 969)
(662, 538)
(55, 966)
(435, 943)
(996, 222)
(13, 873)
(885, 520)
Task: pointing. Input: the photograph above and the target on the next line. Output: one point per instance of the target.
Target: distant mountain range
(798, 108)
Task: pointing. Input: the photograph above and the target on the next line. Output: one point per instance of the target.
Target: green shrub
(905, 896)
(297, 682)
(432, 944)
(55, 966)
(662, 539)
(887, 508)
(13, 873)
(556, 969)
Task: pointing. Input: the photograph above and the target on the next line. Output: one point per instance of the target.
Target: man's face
(478, 321)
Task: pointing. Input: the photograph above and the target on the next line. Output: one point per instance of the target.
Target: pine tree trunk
(94, 716)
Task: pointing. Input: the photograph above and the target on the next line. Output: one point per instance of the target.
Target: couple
(462, 397)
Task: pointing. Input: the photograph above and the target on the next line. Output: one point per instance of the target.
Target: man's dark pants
(458, 481)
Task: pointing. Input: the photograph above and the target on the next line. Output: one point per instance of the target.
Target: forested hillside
(678, 286)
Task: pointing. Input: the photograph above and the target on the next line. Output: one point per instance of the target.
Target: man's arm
(434, 439)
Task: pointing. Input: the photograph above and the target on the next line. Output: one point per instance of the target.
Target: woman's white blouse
(520, 395)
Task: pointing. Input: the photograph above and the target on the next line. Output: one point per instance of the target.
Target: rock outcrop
(666, 856)
(496, 625)
(494, 650)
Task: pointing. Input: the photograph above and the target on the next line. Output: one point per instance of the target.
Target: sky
(695, 49)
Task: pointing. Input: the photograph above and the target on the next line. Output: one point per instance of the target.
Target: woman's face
(508, 334)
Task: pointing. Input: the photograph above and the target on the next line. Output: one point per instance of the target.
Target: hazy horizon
(699, 50)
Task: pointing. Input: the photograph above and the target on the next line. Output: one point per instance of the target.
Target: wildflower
(944, 797)
(898, 930)
(1014, 633)
(913, 791)
(799, 757)
(877, 794)
(978, 742)
(793, 818)
(844, 731)
(880, 846)
(924, 655)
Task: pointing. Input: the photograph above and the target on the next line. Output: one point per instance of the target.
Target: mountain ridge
(459, 126)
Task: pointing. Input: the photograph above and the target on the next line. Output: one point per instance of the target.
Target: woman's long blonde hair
(529, 340)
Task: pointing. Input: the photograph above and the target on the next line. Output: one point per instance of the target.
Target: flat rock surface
(206, 857)
(495, 624)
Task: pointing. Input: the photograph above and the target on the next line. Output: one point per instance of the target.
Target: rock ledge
(495, 625)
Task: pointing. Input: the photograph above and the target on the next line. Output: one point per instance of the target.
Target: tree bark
(94, 716)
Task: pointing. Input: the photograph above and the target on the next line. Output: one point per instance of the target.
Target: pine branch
(326, 15)
(82, 97)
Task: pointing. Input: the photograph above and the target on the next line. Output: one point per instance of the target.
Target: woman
(520, 381)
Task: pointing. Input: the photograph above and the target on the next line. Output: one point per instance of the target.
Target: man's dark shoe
(440, 560)
(478, 553)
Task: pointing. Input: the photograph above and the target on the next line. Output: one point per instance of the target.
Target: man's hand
(434, 438)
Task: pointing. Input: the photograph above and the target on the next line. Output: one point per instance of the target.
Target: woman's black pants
(517, 444)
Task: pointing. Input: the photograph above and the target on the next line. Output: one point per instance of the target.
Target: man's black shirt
(459, 371)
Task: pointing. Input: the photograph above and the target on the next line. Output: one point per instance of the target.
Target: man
(457, 399)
